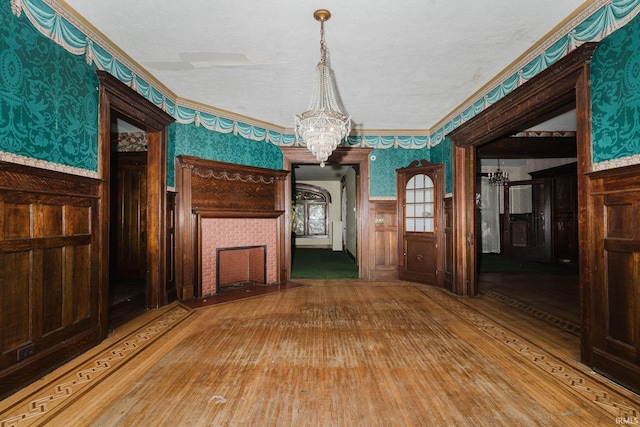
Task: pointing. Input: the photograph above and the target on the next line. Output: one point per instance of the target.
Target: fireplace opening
(240, 266)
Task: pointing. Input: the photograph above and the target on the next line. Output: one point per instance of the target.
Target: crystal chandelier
(323, 125)
(498, 178)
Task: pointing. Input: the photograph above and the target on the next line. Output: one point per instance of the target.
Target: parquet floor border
(552, 319)
(590, 387)
(62, 388)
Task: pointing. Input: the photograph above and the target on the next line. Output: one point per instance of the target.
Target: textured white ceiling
(398, 65)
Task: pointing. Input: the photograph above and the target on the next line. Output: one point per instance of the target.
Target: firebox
(237, 266)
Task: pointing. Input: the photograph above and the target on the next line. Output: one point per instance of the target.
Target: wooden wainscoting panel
(384, 239)
(48, 270)
(615, 297)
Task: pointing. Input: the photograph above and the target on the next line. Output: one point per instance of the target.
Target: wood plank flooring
(334, 353)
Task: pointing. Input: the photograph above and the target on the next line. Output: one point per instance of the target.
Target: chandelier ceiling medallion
(323, 126)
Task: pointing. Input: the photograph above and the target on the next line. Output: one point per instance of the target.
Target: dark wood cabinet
(541, 216)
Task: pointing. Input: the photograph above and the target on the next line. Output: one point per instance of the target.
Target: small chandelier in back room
(499, 177)
(323, 125)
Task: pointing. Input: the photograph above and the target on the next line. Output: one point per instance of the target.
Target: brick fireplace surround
(236, 232)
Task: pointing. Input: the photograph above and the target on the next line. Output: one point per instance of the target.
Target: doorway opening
(118, 101)
(528, 235)
(128, 222)
(324, 233)
(340, 234)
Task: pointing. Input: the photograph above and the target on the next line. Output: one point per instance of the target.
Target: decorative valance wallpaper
(596, 22)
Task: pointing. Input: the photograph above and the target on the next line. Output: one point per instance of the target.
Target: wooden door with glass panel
(420, 222)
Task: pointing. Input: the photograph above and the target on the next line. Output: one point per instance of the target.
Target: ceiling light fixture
(498, 178)
(323, 126)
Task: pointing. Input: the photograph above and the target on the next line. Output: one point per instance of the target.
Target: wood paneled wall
(449, 266)
(49, 276)
(615, 299)
(383, 232)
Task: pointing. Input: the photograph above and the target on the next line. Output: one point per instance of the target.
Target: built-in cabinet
(541, 216)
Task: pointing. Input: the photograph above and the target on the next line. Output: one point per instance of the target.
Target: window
(420, 204)
(311, 211)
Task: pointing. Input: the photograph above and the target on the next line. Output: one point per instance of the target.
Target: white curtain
(490, 216)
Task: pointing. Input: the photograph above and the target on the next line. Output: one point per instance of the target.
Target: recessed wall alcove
(221, 206)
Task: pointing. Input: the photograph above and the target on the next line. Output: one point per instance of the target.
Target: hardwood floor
(333, 353)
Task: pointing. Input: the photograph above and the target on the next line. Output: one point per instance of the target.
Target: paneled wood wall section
(211, 189)
(449, 266)
(171, 293)
(49, 271)
(383, 229)
(614, 236)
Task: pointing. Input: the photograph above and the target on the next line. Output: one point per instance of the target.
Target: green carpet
(495, 263)
(312, 263)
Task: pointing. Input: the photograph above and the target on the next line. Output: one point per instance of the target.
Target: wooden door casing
(419, 254)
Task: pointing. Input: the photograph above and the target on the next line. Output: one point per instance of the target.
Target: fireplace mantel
(212, 189)
(226, 190)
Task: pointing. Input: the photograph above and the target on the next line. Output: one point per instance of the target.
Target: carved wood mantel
(212, 189)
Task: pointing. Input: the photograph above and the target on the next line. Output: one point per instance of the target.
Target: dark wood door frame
(344, 156)
(117, 98)
(563, 84)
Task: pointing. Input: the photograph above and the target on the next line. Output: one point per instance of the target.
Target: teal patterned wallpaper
(615, 97)
(48, 97)
(382, 167)
(441, 153)
(198, 141)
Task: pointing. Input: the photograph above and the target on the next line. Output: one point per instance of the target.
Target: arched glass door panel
(420, 205)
